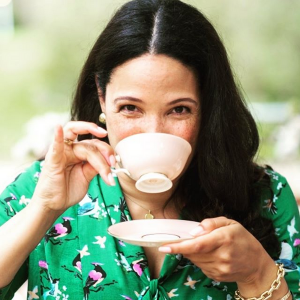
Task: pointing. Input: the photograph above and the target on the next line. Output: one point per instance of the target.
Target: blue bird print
(88, 206)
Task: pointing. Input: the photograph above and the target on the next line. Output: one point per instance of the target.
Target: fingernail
(112, 160)
(165, 249)
(111, 179)
(197, 231)
(102, 130)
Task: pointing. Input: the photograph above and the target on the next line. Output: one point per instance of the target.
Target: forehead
(156, 72)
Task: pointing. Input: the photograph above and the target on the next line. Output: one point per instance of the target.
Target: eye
(181, 110)
(129, 108)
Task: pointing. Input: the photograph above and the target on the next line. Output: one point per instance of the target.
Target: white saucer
(152, 233)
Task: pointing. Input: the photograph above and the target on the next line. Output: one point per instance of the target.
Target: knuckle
(197, 247)
(209, 224)
(225, 270)
(225, 257)
(69, 125)
(91, 147)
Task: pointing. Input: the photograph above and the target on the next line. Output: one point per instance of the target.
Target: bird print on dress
(191, 282)
(33, 294)
(59, 230)
(292, 229)
(76, 263)
(10, 210)
(271, 206)
(88, 206)
(123, 209)
(289, 265)
(95, 277)
(286, 250)
(172, 294)
(53, 289)
(138, 266)
(296, 244)
(100, 241)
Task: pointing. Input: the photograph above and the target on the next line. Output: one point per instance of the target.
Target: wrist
(39, 209)
(277, 289)
(260, 280)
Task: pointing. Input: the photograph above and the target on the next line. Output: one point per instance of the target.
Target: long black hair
(222, 178)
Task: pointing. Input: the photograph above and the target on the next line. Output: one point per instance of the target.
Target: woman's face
(152, 93)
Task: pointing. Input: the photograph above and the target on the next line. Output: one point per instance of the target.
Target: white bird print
(100, 241)
(286, 251)
(32, 294)
(279, 185)
(24, 200)
(84, 251)
(191, 283)
(172, 294)
(291, 228)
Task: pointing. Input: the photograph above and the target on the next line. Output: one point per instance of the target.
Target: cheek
(189, 132)
(118, 130)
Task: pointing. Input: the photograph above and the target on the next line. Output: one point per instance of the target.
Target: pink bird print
(96, 276)
(297, 242)
(126, 297)
(77, 260)
(139, 266)
(60, 230)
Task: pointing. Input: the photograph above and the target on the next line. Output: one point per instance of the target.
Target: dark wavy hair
(222, 178)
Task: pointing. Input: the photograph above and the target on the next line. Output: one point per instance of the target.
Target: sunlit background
(43, 45)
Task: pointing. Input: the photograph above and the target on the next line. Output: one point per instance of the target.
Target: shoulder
(279, 204)
(29, 174)
(19, 192)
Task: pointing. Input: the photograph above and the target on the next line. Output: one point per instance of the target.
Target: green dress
(78, 259)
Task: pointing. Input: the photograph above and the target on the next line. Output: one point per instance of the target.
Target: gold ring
(68, 142)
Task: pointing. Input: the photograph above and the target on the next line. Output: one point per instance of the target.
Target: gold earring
(102, 118)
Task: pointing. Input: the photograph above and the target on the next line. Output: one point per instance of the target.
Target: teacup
(153, 160)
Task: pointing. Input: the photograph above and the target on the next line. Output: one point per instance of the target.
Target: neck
(160, 205)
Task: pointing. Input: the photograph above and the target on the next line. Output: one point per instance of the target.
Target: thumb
(208, 225)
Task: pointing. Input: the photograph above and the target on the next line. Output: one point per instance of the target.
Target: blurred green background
(43, 45)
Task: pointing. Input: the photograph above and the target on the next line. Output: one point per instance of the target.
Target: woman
(159, 66)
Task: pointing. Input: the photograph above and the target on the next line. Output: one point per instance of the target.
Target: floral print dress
(78, 259)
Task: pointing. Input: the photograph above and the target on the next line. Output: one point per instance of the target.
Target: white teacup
(153, 160)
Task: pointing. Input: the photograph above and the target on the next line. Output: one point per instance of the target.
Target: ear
(100, 94)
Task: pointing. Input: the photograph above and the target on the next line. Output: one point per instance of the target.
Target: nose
(153, 124)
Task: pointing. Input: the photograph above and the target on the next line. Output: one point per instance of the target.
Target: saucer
(152, 233)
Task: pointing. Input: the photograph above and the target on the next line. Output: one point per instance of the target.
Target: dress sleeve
(283, 211)
(13, 199)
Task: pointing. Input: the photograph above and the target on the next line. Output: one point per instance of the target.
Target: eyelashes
(181, 109)
(178, 110)
(129, 108)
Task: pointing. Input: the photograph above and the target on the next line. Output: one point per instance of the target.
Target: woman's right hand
(68, 169)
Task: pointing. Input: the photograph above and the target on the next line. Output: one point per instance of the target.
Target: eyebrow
(134, 99)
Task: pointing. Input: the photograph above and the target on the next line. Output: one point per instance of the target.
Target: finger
(55, 152)
(89, 172)
(75, 128)
(97, 154)
(211, 237)
(208, 225)
(202, 244)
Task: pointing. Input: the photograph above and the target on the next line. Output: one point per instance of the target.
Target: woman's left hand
(225, 251)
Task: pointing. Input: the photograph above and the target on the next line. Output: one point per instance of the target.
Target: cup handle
(116, 171)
